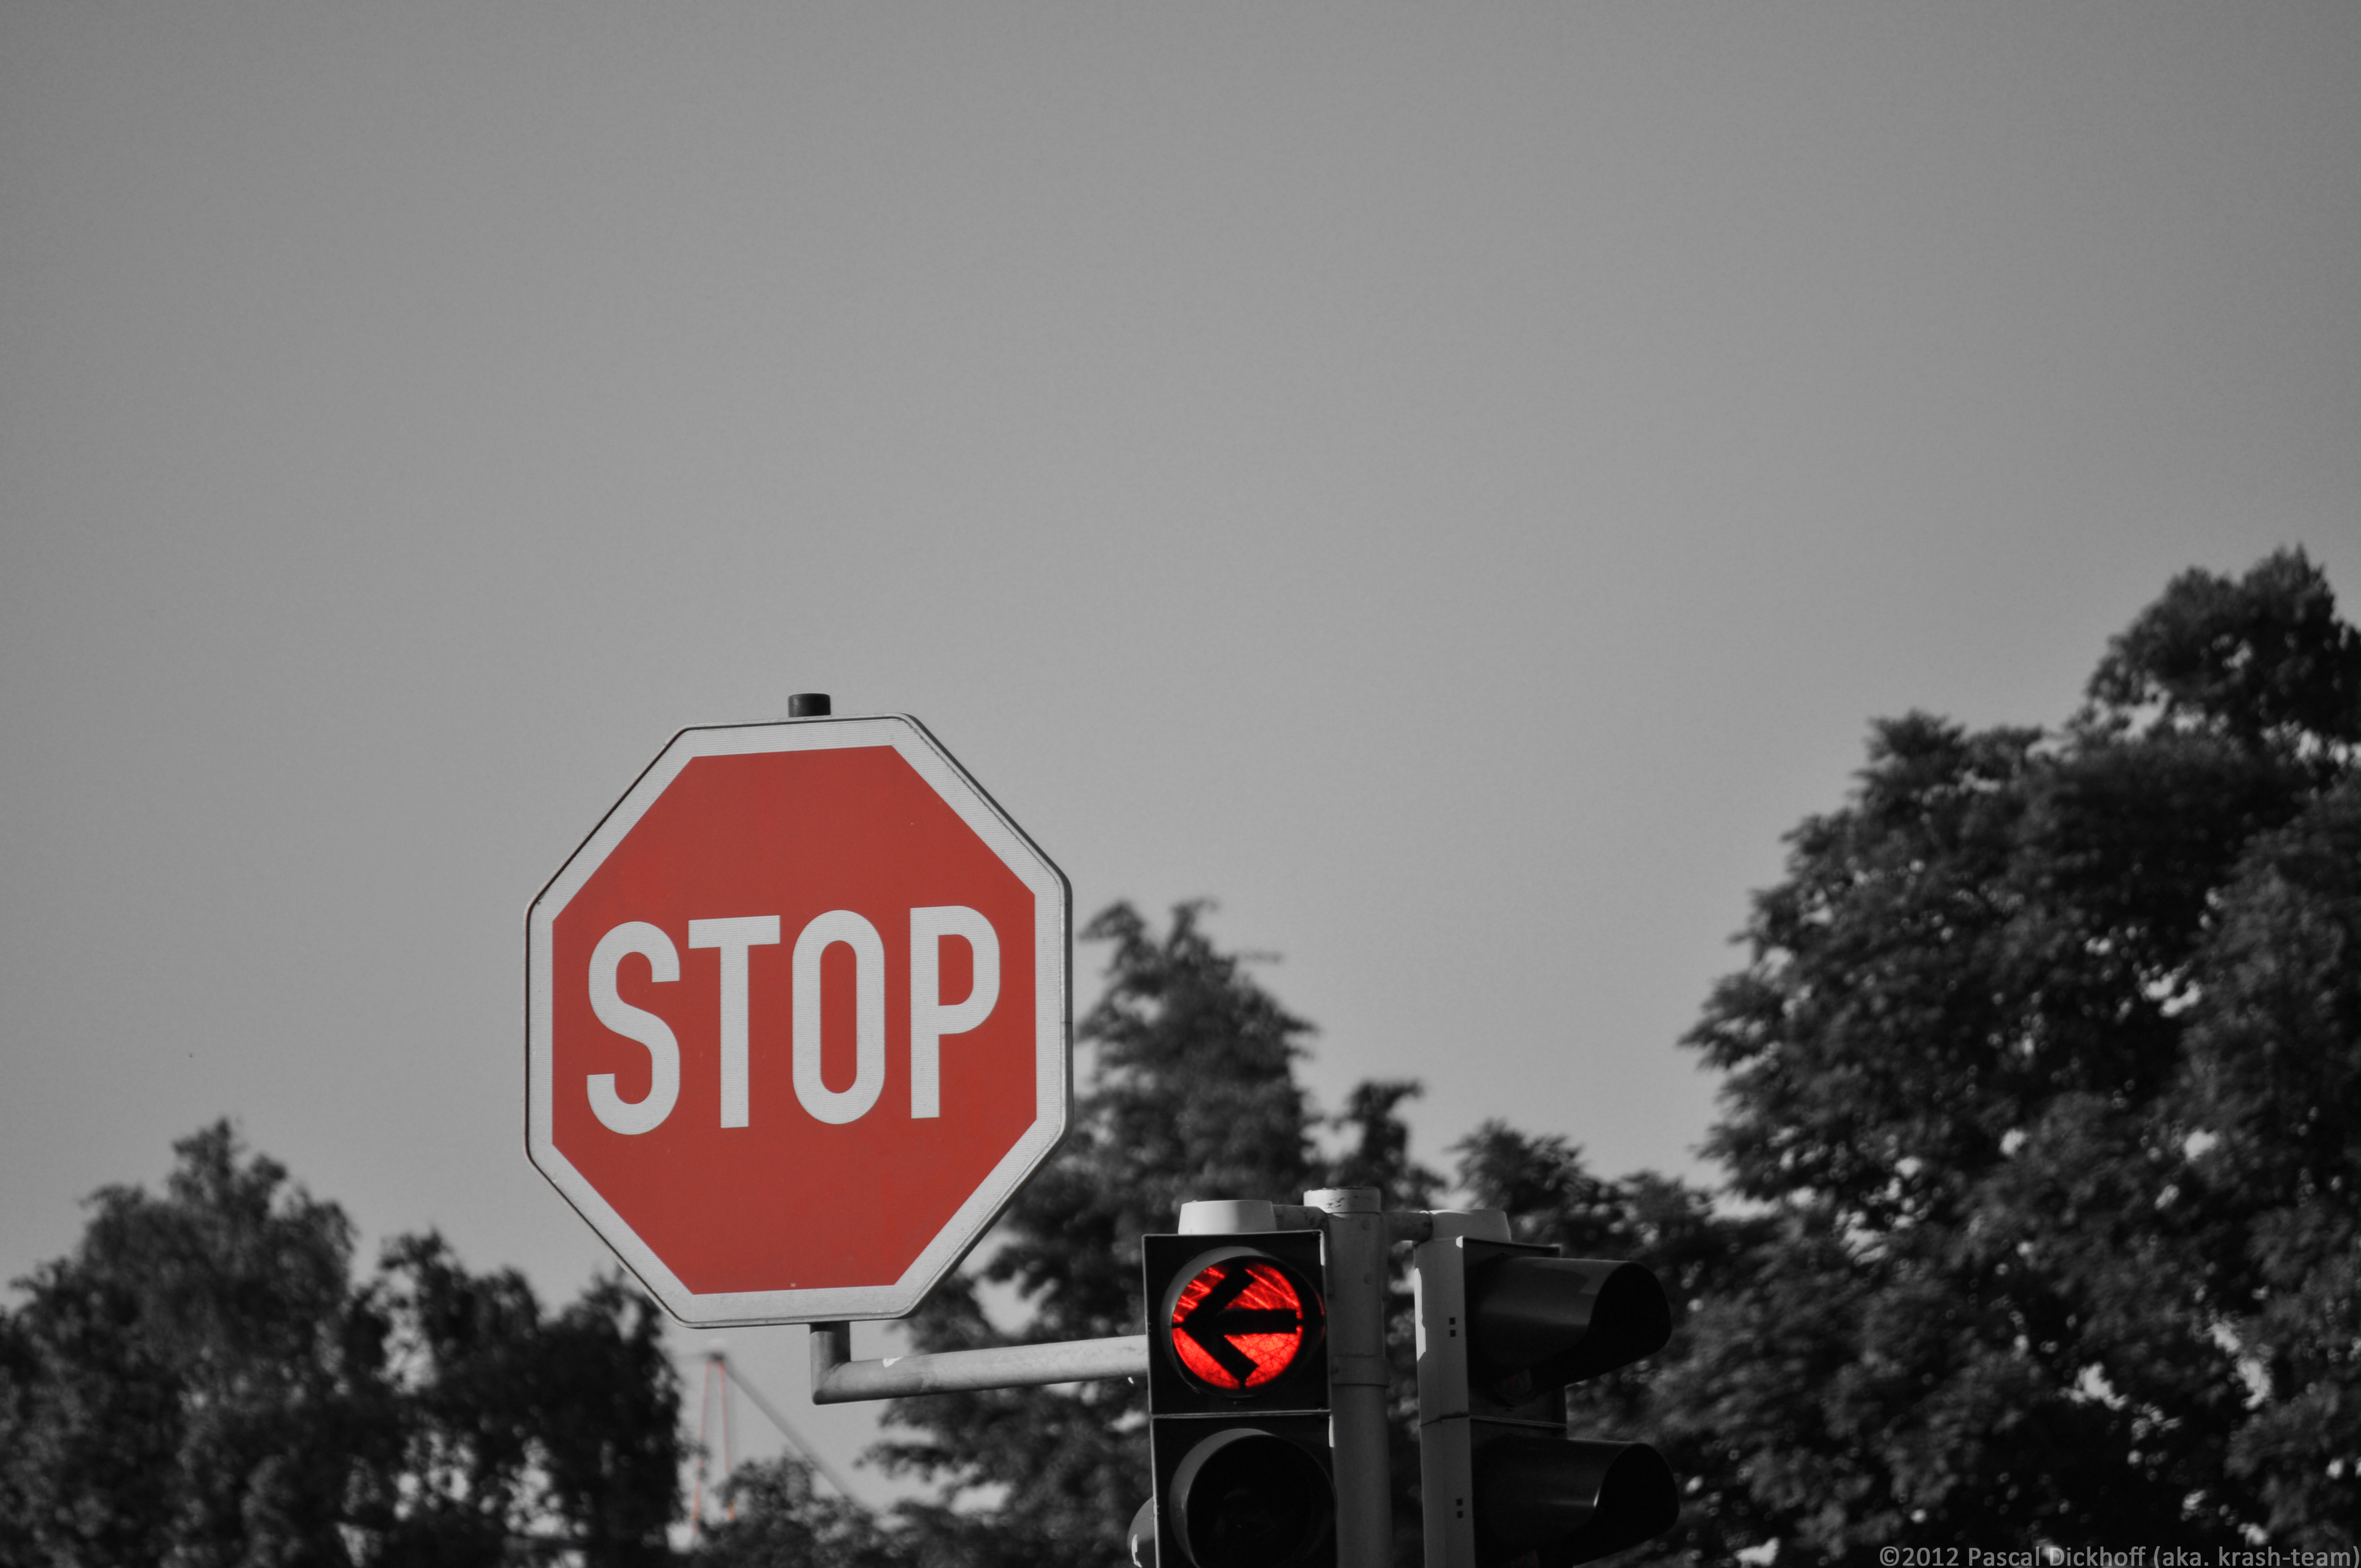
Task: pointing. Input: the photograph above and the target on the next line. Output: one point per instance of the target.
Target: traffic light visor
(1571, 1502)
(1542, 1322)
(1238, 1320)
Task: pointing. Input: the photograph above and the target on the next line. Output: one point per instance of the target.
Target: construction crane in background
(719, 1375)
(716, 1382)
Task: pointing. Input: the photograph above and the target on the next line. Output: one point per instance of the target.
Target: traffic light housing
(1502, 1329)
(1238, 1395)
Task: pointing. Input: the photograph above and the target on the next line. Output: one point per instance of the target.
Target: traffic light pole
(1358, 1376)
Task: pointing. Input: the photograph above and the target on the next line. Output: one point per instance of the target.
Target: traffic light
(1238, 1395)
(1502, 1329)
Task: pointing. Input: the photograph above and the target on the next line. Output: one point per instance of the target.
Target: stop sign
(797, 1020)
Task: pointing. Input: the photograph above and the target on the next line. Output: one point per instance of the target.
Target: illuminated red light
(1240, 1324)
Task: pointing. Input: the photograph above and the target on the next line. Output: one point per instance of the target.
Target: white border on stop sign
(1053, 1009)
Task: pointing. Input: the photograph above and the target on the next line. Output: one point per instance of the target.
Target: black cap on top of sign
(809, 705)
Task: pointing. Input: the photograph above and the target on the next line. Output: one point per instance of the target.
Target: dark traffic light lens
(1244, 1498)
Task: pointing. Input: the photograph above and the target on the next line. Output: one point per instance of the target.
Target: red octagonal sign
(798, 1019)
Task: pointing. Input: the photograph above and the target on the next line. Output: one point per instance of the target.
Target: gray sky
(1452, 483)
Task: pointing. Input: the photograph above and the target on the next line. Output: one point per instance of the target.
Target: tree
(520, 1434)
(196, 1384)
(2043, 1080)
(2269, 1108)
(778, 1520)
(202, 1383)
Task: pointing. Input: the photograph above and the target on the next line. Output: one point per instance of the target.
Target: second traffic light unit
(1237, 1386)
(1502, 1329)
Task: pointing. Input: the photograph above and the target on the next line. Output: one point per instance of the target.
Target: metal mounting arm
(838, 1379)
